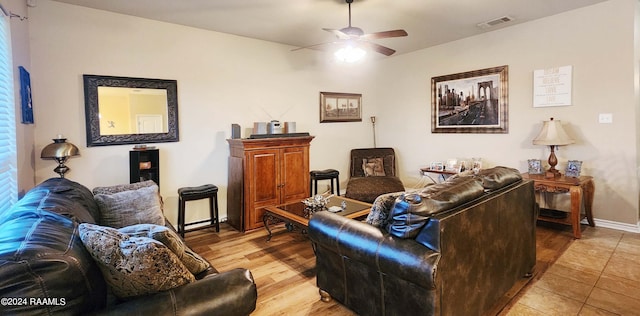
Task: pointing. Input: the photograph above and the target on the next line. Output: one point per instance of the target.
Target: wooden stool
(207, 191)
(327, 174)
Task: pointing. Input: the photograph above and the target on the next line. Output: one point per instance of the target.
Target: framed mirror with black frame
(128, 110)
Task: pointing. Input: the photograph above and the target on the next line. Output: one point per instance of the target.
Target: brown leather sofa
(46, 270)
(459, 256)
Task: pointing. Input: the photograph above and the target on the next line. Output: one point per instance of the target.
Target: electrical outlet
(605, 118)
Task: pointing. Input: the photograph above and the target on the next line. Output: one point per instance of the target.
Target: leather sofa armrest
(229, 293)
(403, 258)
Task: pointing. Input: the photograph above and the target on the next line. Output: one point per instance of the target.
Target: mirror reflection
(127, 110)
(132, 110)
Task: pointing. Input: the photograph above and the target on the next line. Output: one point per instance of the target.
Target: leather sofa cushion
(449, 194)
(133, 266)
(41, 257)
(411, 212)
(61, 196)
(498, 177)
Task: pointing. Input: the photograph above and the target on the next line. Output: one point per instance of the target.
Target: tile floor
(598, 275)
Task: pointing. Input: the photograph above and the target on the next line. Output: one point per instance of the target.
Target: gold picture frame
(471, 102)
(340, 107)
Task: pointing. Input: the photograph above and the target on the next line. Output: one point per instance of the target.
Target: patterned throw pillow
(169, 238)
(126, 208)
(373, 167)
(379, 214)
(133, 266)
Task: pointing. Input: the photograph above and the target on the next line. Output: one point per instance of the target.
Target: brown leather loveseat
(46, 270)
(470, 241)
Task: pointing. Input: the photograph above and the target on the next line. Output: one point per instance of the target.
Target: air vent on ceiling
(494, 22)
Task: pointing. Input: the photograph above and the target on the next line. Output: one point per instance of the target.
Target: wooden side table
(581, 189)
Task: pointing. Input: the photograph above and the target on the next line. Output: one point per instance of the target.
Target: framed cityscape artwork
(471, 102)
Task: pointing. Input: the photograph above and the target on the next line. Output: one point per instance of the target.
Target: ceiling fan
(355, 35)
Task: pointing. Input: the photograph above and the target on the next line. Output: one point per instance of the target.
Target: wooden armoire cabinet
(265, 172)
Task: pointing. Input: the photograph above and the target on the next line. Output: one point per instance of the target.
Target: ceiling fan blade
(338, 33)
(385, 34)
(320, 46)
(380, 49)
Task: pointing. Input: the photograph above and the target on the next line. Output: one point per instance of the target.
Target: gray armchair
(372, 173)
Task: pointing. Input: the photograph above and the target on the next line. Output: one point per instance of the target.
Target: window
(8, 176)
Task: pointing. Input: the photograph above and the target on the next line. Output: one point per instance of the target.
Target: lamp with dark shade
(60, 151)
(553, 135)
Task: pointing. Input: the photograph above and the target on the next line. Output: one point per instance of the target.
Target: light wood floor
(284, 268)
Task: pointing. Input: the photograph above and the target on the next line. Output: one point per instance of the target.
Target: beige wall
(222, 79)
(225, 79)
(598, 41)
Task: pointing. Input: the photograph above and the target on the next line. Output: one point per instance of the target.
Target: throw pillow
(373, 167)
(379, 214)
(133, 266)
(169, 238)
(130, 207)
(408, 215)
(128, 187)
(123, 187)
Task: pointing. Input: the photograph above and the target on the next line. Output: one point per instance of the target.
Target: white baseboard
(615, 225)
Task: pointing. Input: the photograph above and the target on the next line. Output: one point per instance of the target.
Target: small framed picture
(437, 166)
(535, 166)
(573, 168)
(340, 107)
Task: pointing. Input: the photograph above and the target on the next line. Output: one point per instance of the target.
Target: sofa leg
(325, 296)
(528, 274)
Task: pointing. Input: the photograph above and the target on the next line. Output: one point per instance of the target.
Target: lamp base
(553, 161)
(61, 169)
(552, 173)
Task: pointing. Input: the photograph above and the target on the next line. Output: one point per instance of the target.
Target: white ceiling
(300, 22)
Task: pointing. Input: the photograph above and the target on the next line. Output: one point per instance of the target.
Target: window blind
(8, 160)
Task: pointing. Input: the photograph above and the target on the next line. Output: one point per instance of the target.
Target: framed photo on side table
(437, 166)
(535, 166)
(573, 168)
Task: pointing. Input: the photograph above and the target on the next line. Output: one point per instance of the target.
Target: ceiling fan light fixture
(350, 53)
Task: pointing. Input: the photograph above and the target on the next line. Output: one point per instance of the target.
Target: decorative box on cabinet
(144, 165)
(265, 172)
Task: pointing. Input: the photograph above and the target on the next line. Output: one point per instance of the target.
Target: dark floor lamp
(552, 135)
(60, 151)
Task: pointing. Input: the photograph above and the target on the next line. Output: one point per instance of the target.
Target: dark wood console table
(581, 189)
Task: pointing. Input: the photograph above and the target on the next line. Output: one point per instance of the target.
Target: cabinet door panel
(264, 183)
(295, 174)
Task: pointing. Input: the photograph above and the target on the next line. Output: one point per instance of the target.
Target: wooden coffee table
(296, 214)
